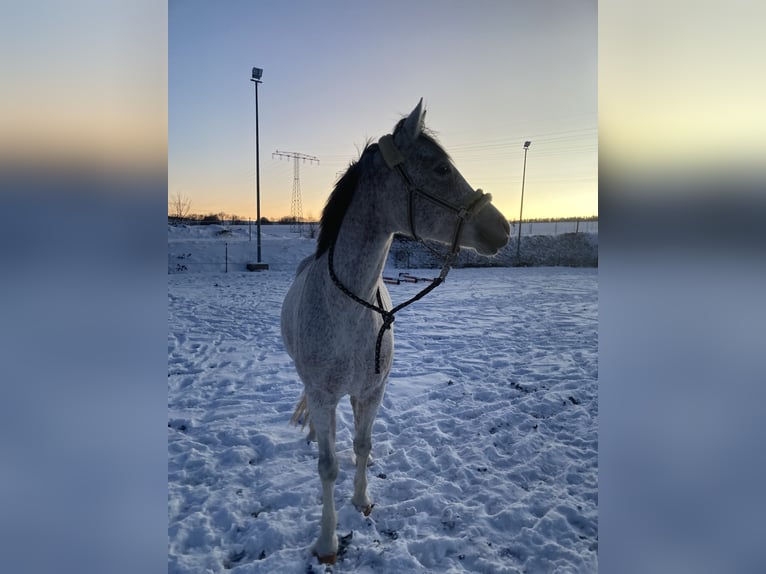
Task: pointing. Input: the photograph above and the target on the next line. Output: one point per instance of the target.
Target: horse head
(435, 200)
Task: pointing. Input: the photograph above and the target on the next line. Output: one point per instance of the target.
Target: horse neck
(361, 247)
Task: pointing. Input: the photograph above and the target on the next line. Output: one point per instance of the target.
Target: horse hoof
(368, 510)
(329, 559)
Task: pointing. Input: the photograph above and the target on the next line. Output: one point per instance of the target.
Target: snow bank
(567, 249)
(219, 248)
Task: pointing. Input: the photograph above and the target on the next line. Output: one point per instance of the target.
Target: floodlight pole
(521, 209)
(256, 78)
(257, 172)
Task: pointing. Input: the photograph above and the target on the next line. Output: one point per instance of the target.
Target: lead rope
(388, 316)
(394, 159)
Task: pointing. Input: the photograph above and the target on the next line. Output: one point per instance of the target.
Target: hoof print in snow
(518, 387)
(392, 534)
(233, 558)
(449, 520)
(382, 475)
(343, 543)
(516, 554)
(574, 401)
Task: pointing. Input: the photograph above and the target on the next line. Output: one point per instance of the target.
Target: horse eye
(442, 169)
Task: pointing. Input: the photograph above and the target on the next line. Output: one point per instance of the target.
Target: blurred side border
(682, 206)
(83, 294)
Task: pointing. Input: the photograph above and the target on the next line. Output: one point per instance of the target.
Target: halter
(395, 160)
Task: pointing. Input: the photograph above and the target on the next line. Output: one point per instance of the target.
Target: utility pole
(296, 207)
(521, 209)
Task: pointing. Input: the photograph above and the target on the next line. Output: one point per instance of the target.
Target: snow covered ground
(485, 447)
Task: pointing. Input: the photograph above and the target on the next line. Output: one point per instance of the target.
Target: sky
(84, 86)
(681, 87)
(338, 73)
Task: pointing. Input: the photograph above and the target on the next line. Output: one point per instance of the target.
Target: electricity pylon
(296, 207)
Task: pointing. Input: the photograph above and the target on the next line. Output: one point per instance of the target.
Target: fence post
(226, 257)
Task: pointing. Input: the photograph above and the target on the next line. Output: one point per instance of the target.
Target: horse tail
(301, 412)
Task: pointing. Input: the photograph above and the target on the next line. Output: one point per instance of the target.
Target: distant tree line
(228, 219)
(213, 219)
(557, 219)
(222, 218)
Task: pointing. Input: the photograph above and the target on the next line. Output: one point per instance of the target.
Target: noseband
(476, 202)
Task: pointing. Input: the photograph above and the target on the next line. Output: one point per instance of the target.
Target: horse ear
(413, 125)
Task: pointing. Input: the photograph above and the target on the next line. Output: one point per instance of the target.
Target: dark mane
(337, 204)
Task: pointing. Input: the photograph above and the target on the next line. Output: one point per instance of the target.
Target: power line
(296, 206)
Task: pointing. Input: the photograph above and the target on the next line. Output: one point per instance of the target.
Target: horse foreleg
(364, 416)
(326, 545)
(356, 429)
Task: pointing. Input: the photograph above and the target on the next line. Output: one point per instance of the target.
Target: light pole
(256, 78)
(521, 210)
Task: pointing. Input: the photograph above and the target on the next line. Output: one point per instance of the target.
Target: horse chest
(341, 347)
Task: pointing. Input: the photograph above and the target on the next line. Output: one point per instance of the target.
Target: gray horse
(337, 316)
